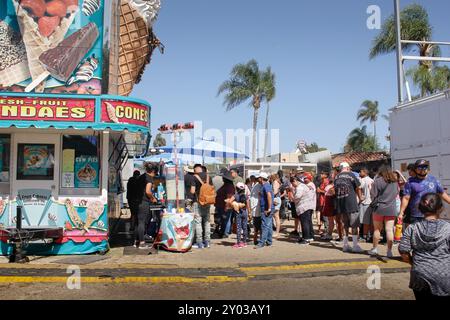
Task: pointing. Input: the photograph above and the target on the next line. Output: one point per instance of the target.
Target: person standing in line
(145, 183)
(348, 194)
(255, 205)
(328, 210)
(276, 186)
(267, 209)
(217, 183)
(416, 187)
(236, 177)
(426, 246)
(365, 217)
(322, 184)
(290, 195)
(305, 203)
(227, 191)
(201, 212)
(240, 205)
(384, 193)
(133, 197)
(189, 187)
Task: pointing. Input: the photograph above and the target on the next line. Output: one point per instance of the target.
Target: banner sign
(51, 46)
(125, 112)
(80, 112)
(47, 109)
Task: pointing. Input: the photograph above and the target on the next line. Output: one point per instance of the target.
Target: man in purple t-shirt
(418, 186)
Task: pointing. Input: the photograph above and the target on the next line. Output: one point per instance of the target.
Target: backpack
(207, 195)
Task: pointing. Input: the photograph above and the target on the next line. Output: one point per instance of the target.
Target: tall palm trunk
(255, 126)
(375, 130)
(266, 139)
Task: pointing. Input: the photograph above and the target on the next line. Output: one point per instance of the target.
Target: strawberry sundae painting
(177, 232)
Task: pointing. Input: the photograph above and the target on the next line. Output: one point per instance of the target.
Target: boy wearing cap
(348, 195)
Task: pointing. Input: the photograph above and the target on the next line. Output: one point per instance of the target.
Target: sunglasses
(423, 167)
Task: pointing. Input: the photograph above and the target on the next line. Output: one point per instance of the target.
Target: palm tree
(360, 140)
(159, 141)
(270, 95)
(369, 112)
(415, 25)
(247, 83)
(430, 81)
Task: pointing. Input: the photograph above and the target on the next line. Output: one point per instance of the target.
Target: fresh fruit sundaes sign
(51, 46)
(47, 109)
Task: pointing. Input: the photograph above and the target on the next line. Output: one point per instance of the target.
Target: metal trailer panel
(421, 129)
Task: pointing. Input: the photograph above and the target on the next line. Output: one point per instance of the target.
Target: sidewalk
(219, 263)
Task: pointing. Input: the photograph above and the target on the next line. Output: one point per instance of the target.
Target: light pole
(176, 129)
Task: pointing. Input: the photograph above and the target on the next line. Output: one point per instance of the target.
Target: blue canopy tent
(206, 149)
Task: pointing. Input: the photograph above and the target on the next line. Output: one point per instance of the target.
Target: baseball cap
(240, 186)
(422, 163)
(344, 165)
(308, 176)
(264, 175)
(257, 174)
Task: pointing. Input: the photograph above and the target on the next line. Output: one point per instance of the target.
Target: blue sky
(318, 50)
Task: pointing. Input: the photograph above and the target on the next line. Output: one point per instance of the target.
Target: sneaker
(309, 240)
(255, 243)
(373, 252)
(197, 246)
(327, 237)
(206, 244)
(357, 249)
(303, 242)
(389, 254)
(347, 248)
(258, 247)
(145, 247)
(243, 245)
(237, 246)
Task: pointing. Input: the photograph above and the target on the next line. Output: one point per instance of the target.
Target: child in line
(240, 209)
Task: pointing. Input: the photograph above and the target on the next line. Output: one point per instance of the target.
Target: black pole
(19, 218)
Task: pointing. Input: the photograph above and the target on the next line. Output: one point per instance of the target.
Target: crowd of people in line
(357, 206)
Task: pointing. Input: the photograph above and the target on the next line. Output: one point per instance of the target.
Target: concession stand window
(80, 165)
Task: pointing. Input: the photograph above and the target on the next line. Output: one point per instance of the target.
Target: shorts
(380, 218)
(365, 216)
(351, 220)
(257, 223)
(277, 203)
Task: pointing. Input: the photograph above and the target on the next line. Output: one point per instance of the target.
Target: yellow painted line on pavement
(155, 280)
(322, 266)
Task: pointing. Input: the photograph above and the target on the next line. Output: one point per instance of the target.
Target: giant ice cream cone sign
(62, 41)
(137, 40)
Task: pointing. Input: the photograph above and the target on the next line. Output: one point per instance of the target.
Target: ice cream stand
(65, 119)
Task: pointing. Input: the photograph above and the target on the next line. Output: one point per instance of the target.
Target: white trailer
(421, 130)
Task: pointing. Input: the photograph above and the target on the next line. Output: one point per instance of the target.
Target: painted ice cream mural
(51, 46)
(84, 221)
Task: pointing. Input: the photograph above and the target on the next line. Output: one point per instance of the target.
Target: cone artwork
(13, 57)
(42, 32)
(135, 40)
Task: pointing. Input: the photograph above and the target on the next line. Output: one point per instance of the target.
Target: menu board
(86, 172)
(51, 46)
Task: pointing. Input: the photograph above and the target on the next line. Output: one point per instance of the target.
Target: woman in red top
(321, 196)
(328, 210)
